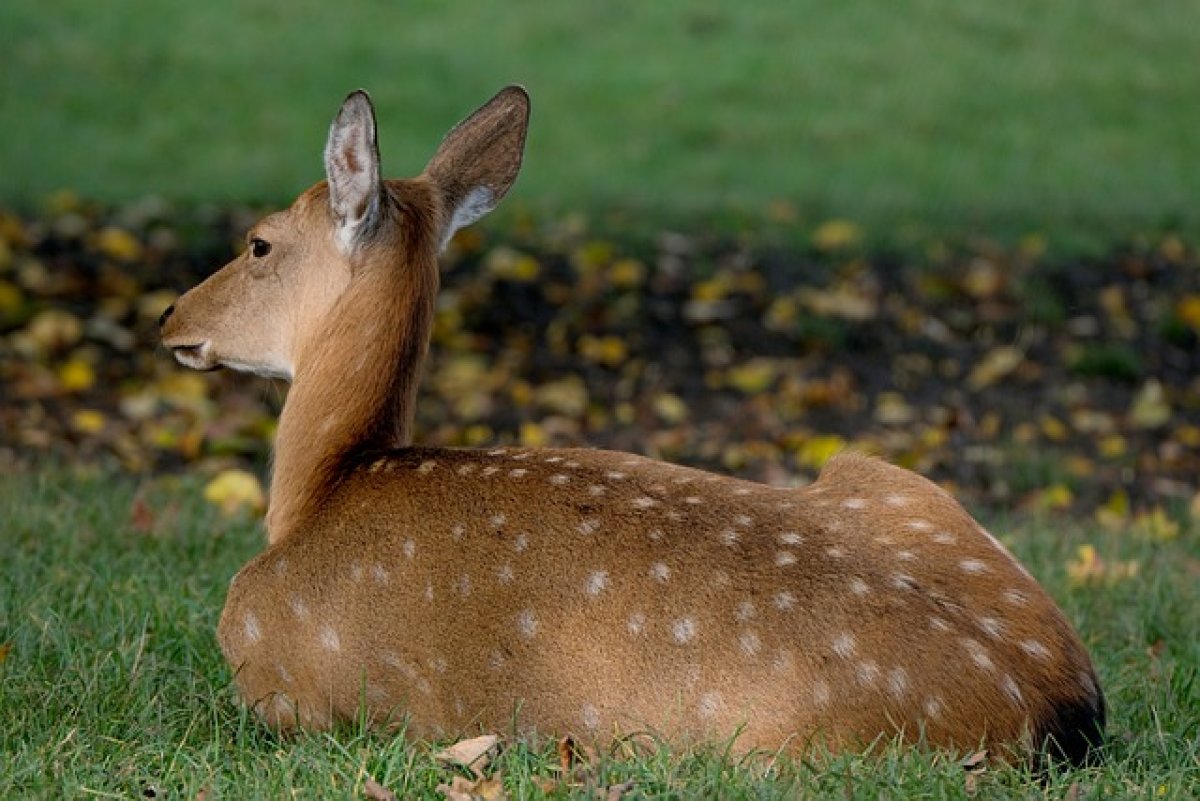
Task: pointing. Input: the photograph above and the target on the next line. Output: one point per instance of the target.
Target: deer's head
(261, 312)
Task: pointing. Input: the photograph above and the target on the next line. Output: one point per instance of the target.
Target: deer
(443, 591)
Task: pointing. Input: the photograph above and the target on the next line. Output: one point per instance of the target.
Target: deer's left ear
(352, 167)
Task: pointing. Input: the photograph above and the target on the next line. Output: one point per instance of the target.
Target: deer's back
(596, 592)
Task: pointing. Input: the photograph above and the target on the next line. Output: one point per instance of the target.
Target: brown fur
(590, 591)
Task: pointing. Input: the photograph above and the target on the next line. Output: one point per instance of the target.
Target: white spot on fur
(945, 538)
(527, 623)
(496, 660)
(743, 491)
(972, 566)
(429, 592)
(903, 581)
(299, 607)
(709, 704)
(920, 525)
(518, 472)
(329, 639)
(497, 451)
(614, 475)
(1035, 649)
(552, 459)
(596, 583)
(1016, 597)
(464, 585)
(597, 490)
(410, 549)
(379, 573)
(284, 674)
(791, 538)
(896, 500)
(784, 600)
(505, 573)
(589, 526)
(854, 503)
(490, 470)
(785, 558)
(820, 693)
(498, 520)
(844, 645)
(938, 624)
(590, 717)
(251, 628)
(683, 630)
(745, 610)
(426, 467)
(858, 586)
(979, 654)
(905, 556)
(783, 661)
(897, 683)
(660, 572)
(1011, 690)
(635, 624)
(743, 520)
(835, 552)
(933, 707)
(867, 673)
(729, 537)
(559, 479)
(457, 531)
(993, 627)
(644, 502)
(694, 500)
(280, 566)
(749, 642)
(521, 543)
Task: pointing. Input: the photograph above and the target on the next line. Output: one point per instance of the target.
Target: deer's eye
(259, 247)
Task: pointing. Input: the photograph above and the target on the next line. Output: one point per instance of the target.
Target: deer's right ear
(479, 159)
(352, 167)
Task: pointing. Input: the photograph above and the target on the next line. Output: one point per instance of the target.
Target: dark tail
(1073, 732)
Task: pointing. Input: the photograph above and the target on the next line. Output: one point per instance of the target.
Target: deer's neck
(354, 391)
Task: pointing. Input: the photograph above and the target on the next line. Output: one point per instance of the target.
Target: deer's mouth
(197, 357)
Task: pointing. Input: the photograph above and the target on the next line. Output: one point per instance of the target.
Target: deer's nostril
(163, 317)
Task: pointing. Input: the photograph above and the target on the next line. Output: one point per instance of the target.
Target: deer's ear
(479, 159)
(352, 167)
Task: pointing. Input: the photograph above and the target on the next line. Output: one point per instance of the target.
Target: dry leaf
(5, 648)
(836, 234)
(473, 754)
(461, 788)
(997, 364)
(376, 791)
(617, 791)
(233, 491)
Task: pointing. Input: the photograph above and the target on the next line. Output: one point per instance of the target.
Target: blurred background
(1002, 116)
(957, 233)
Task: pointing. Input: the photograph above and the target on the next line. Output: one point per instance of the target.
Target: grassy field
(1065, 117)
(113, 686)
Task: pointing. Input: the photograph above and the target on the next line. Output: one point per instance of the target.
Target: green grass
(1066, 117)
(113, 683)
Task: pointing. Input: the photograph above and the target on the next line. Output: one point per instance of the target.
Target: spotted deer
(577, 590)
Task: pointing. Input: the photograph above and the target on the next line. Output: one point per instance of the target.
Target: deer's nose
(162, 319)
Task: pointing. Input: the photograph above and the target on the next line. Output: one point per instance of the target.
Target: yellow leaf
(567, 396)
(1150, 408)
(1115, 511)
(1188, 310)
(233, 491)
(1156, 525)
(609, 351)
(627, 273)
(512, 265)
(11, 299)
(836, 234)
(88, 421)
(1054, 429)
(119, 244)
(1112, 446)
(710, 290)
(892, 409)
(753, 377)
(76, 375)
(1057, 497)
(54, 329)
(670, 408)
(816, 451)
(997, 364)
(533, 435)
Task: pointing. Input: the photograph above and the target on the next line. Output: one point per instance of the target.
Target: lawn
(1069, 118)
(114, 687)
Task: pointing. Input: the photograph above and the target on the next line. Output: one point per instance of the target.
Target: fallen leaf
(88, 421)
(5, 647)
(836, 235)
(233, 491)
(616, 792)
(997, 364)
(1150, 408)
(461, 788)
(473, 754)
(1156, 525)
(376, 791)
(141, 516)
(815, 451)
